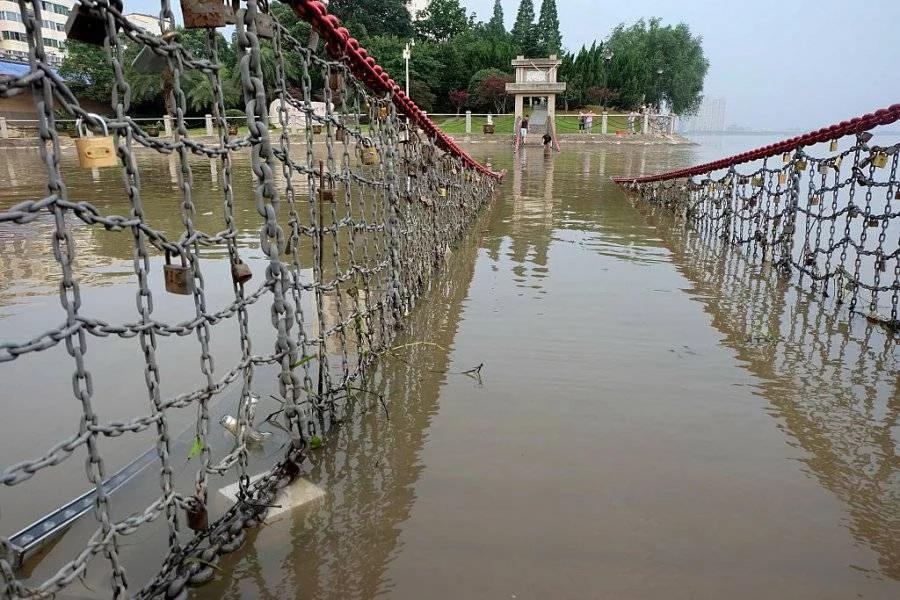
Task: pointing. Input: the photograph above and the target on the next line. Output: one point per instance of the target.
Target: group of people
(586, 121)
(523, 132)
(634, 113)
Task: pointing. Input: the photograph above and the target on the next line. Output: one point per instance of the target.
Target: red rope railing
(885, 116)
(341, 46)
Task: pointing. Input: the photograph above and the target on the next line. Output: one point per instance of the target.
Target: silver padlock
(88, 26)
(149, 62)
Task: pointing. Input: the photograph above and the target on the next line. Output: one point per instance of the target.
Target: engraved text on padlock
(206, 13)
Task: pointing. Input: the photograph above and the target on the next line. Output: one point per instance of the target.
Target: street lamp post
(407, 53)
(659, 73)
(607, 56)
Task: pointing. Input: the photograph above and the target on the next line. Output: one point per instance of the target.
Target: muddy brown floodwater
(655, 418)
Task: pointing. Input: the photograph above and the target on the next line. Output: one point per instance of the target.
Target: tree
(524, 32)
(495, 26)
(549, 38)
(422, 94)
(441, 20)
(491, 91)
(373, 17)
(602, 95)
(657, 64)
(459, 98)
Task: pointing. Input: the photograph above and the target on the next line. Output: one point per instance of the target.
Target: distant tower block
(536, 78)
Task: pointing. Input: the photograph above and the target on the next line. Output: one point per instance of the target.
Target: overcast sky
(779, 64)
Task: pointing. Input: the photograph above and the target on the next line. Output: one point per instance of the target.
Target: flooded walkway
(633, 435)
(652, 421)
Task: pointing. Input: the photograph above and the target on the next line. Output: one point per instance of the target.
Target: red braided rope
(341, 46)
(885, 116)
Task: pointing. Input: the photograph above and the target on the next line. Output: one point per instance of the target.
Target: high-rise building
(710, 117)
(415, 6)
(13, 44)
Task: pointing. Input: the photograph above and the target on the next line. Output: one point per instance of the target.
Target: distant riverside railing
(825, 205)
(605, 123)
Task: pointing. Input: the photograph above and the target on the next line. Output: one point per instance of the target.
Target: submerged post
(468, 121)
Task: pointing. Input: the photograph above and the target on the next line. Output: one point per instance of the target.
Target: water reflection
(832, 384)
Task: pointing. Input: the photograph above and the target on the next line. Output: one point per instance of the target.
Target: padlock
(369, 154)
(814, 200)
(879, 262)
(810, 260)
(339, 134)
(833, 146)
(836, 163)
(412, 171)
(335, 86)
(88, 26)
(197, 516)
(95, 151)
(879, 160)
(204, 14)
(800, 165)
(786, 157)
(177, 277)
(383, 112)
(756, 181)
(240, 271)
(149, 62)
(823, 168)
(265, 25)
(782, 178)
(326, 194)
(873, 222)
(442, 192)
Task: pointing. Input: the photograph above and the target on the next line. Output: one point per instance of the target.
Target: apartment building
(14, 47)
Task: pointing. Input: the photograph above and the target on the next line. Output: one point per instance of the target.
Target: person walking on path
(581, 120)
(589, 121)
(523, 129)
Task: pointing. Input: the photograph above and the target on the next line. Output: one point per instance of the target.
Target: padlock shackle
(79, 124)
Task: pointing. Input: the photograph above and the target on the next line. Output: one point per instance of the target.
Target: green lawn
(503, 124)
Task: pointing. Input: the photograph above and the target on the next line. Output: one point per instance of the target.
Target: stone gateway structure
(536, 78)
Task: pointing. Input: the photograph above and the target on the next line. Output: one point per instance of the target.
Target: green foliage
(524, 32)
(641, 51)
(366, 18)
(549, 38)
(196, 448)
(441, 20)
(495, 26)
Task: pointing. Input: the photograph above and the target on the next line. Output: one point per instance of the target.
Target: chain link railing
(825, 205)
(373, 218)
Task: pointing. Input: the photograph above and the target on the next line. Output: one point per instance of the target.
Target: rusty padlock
(335, 85)
(339, 134)
(326, 194)
(240, 271)
(205, 14)
(197, 516)
(95, 151)
(873, 222)
(88, 26)
(369, 154)
(814, 200)
(177, 277)
(265, 25)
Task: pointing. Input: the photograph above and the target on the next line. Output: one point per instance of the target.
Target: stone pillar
(4, 130)
(551, 113)
(209, 126)
(468, 121)
(167, 125)
(604, 123)
(645, 127)
(519, 107)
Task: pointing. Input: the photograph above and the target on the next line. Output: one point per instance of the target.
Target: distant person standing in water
(548, 140)
(523, 129)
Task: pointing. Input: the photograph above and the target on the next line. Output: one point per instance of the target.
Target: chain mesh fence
(359, 199)
(825, 206)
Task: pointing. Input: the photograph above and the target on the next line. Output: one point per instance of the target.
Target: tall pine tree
(548, 37)
(495, 25)
(524, 32)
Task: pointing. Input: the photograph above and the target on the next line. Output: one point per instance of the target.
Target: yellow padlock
(786, 157)
(442, 192)
(879, 160)
(383, 112)
(369, 154)
(782, 178)
(833, 146)
(95, 151)
(756, 181)
(800, 165)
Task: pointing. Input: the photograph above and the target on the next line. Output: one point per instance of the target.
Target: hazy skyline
(779, 65)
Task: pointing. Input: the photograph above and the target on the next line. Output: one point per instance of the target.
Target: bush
(233, 113)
